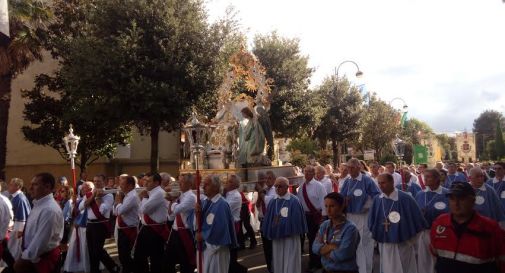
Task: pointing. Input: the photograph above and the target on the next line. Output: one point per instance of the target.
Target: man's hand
(19, 234)
(327, 249)
(144, 194)
(119, 198)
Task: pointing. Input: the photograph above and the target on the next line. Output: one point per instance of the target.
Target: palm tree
(28, 19)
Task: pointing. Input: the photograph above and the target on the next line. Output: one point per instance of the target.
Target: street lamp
(71, 142)
(197, 134)
(358, 74)
(399, 150)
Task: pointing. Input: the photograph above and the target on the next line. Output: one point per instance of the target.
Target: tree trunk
(5, 101)
(334, 148)
(155, 160)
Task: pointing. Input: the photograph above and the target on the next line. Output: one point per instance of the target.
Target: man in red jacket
(463, 240)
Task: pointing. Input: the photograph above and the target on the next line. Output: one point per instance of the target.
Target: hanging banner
(420, 154)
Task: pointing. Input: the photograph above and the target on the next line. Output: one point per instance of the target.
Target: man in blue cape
(487, 202)
(453, 175)
(284, 223)
(395, 221)
(218, 231)
(498, 182)
(21, 208)
(433, 202)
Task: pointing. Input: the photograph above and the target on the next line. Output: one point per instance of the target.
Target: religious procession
(189, 136)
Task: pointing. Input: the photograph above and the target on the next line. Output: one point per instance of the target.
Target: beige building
(435, 151)
(465, 143)
(24, 159)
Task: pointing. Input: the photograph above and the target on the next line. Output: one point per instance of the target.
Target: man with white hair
(21, 208)
(323, 179)
(77, 259)
(284, 223)
(234, 199)
(218, 231)
(487, 202)
(359, 191)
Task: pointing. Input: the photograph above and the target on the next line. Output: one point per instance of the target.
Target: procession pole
(199, 215)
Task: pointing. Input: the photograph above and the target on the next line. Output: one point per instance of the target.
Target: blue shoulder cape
(409, 225)
(284, 218)
(217, 224)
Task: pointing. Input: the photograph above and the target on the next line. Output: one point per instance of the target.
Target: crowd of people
(450, 218)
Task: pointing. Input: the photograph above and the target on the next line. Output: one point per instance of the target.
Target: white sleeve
(45, 229)
(185, 205)
(106, 205)
(5, 218)
(151, 204)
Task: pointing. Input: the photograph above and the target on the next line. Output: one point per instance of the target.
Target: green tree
(484, 128)
(51, 109)
(499, 145)
(291, 106)
(379, 126)
(415, 130)
(342, 107)
(27, 22)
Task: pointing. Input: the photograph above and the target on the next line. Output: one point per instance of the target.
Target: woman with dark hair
(338, 238)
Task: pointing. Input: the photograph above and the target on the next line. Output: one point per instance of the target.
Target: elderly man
(180, 249)
(77, 259)
(487, 202)
(463, 241)
(433, 202)
(234, 199)
(284, 223)
(359, 191)
(311, 194)
(218, 228)
(43, 231)
(453, 175)
(323, 179)
(21, 208)
(498, 182)
(395, 221)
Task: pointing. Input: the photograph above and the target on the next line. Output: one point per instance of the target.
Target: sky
(444, 58)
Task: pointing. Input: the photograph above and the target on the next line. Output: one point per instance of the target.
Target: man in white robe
(284, 223)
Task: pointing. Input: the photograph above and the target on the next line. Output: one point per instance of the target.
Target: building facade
(465, 144)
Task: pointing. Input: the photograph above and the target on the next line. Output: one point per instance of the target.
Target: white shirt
(105, 207)
(6, 216)
(234, 199)
(326, 182)
(186, 203)
(316, 194)
(438, 190)
(269, 195)
(129, 209)
(495, 180)
(44, 228)
(156, 206)
(397, 178)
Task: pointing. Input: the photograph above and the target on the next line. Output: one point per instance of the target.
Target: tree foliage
(342, 109)
(292, 107)
(379, 126)
(140, 62)
(415, 130)
(499, 146)
(484, 128)
(27, 22)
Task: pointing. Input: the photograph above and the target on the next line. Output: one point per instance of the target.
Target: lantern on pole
(197, 134)
(71, 142)
(399, 150)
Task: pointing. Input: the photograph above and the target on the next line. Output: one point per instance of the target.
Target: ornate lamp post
(399, 149)
(197, 135)
(71, 141)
